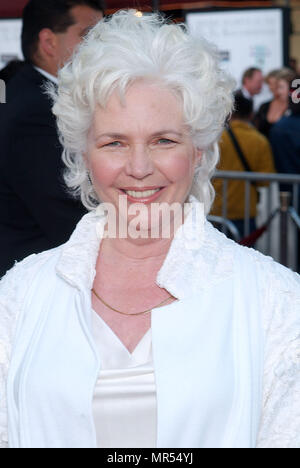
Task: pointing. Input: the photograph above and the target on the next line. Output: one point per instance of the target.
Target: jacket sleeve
(264, 158)
(280, 421)
(35, 173)
(13, 288)
(8, 312)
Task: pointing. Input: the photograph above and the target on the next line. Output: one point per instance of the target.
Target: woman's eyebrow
(110, 135)
(155, 134)
(167, 131)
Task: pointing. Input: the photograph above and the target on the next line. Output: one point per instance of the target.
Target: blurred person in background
(256, 151)
(36, 212)
(11, 69)
(271, 80)
(285, 141)
(293, 64)
(271, 112)
(285, 135)
(252, 83)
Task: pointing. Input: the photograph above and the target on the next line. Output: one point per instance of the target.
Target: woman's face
(141, 145)
(272, 83)
(282, 90)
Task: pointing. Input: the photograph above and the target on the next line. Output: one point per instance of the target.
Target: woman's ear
(86, 161)
(198, 158)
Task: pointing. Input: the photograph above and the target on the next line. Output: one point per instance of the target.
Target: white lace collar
(198, 255)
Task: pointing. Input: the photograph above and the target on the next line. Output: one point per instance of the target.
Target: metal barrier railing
(287, 209)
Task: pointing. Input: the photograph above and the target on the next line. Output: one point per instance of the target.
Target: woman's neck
(137, 249)
(143, 248)
(280, 101)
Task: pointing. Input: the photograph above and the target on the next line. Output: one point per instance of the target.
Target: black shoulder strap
(238, 149)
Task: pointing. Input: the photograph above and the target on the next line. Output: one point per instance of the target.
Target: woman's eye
(165, 141)
(113, 143)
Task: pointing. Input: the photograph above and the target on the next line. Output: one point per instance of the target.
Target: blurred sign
(10, 41)
(245, 38)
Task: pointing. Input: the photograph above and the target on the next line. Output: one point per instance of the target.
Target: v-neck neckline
(107, 340)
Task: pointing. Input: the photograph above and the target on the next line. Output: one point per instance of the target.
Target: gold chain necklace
(125, 313)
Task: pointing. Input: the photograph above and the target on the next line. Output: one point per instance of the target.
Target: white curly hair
(124, 48)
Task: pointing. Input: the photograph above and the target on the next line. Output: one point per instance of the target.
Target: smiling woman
(184, 340)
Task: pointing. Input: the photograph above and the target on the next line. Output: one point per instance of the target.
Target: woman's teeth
(146, 193)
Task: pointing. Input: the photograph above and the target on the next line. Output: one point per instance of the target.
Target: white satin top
(124, 403)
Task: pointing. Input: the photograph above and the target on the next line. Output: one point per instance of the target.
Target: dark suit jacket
(261, 121)
(36, 213)
(239, 92)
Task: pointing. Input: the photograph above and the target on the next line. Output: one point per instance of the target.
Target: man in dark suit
(36, 211)
(252, 83)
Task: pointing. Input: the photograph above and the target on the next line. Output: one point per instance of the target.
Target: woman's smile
(143, 195)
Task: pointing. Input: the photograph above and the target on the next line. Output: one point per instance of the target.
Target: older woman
(148, 339)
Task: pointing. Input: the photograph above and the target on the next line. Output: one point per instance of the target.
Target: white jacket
(230, 297)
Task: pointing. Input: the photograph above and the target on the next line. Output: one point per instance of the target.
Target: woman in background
(271, 112)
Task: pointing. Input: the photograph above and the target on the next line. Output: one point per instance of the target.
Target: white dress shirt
(47, 75)
(246, 94)
(124, 403)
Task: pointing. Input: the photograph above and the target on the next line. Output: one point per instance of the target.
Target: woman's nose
(139, 163)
